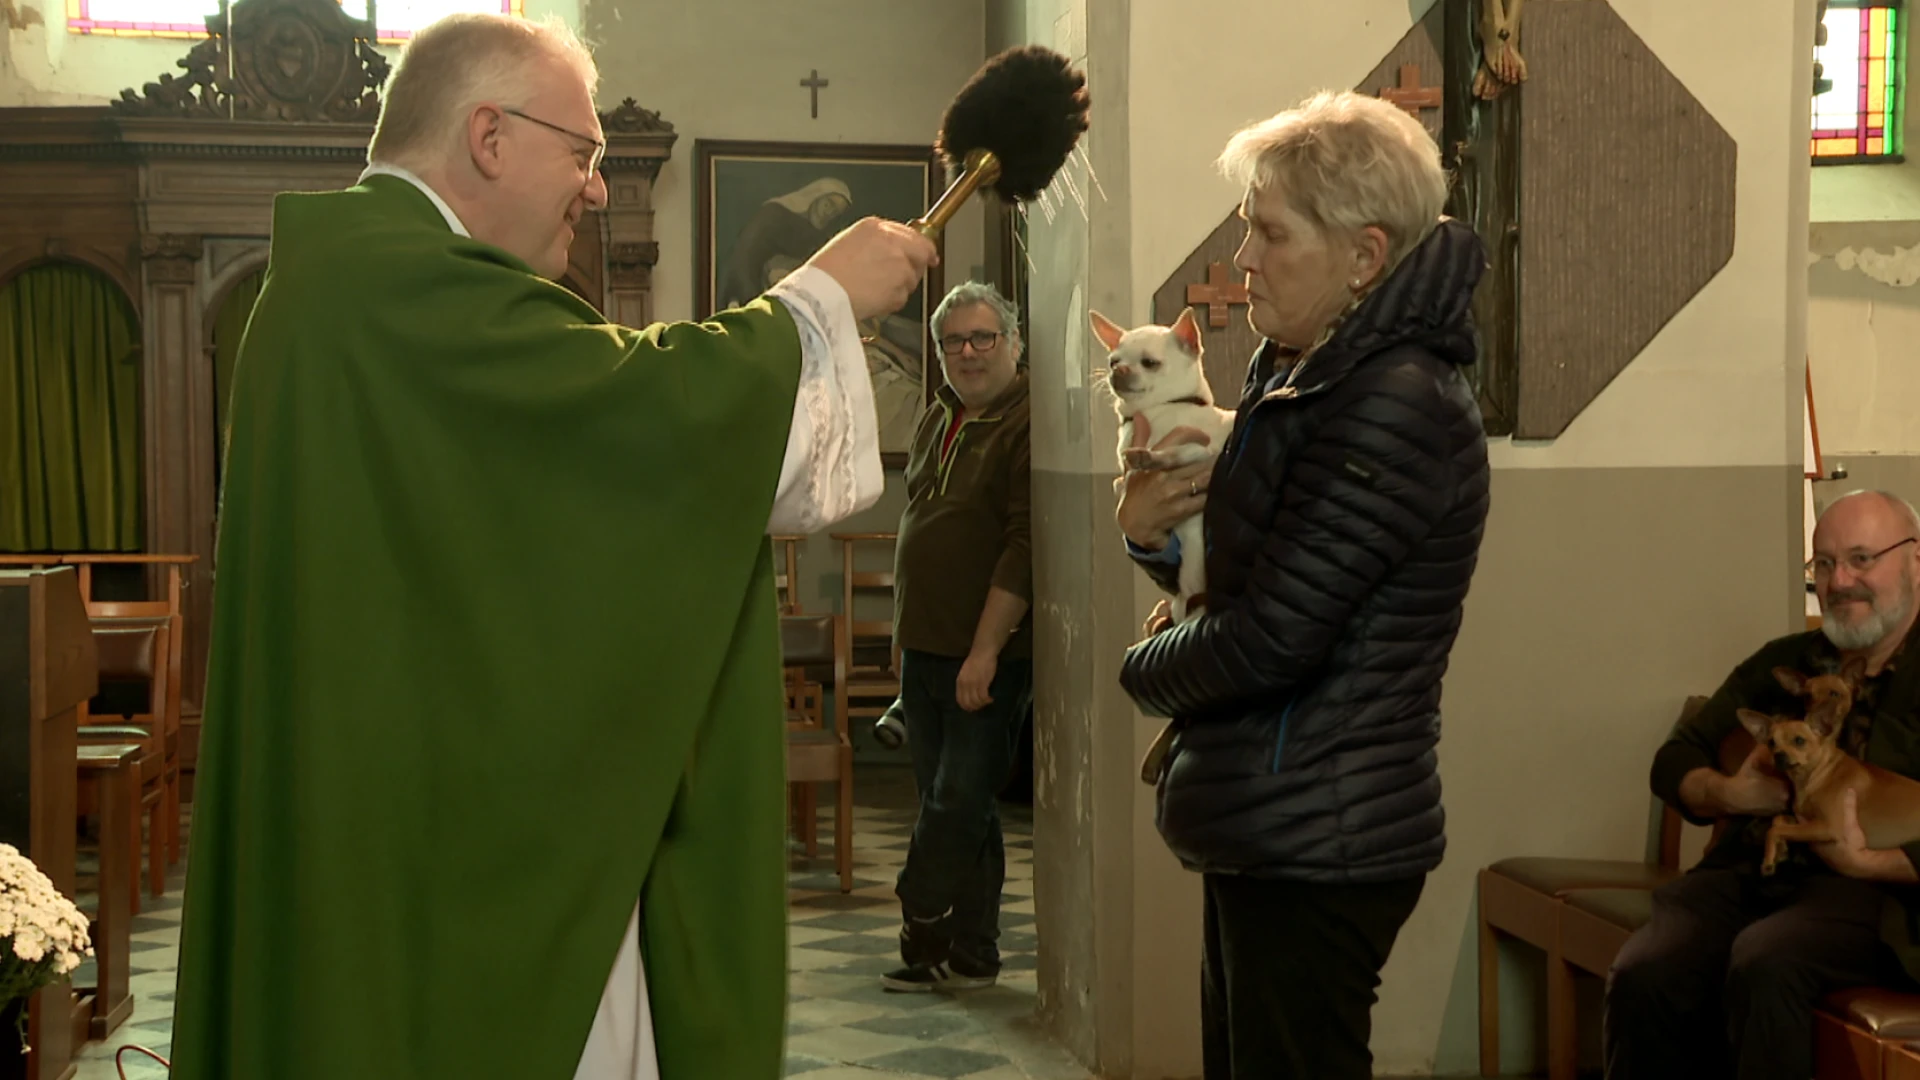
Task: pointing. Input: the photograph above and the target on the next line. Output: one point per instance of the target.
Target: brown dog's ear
(1756, 724)
(1187, 329)
(1104, 329)
(1795, 682)
(1854, 671)
(1826, 719)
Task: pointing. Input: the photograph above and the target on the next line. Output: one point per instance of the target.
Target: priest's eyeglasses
(1859, 562)
(981, 340)
(598, 154)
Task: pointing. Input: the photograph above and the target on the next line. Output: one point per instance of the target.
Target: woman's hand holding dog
(1153, 501)
(1161, 618)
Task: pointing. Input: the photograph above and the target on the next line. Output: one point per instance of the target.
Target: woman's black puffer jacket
(1343, 526)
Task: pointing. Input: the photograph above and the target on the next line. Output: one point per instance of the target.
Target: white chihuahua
(1155, 372)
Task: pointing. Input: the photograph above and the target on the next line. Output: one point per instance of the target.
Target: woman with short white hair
(1343, 528)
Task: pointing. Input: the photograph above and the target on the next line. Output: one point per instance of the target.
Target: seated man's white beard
(1868, 631)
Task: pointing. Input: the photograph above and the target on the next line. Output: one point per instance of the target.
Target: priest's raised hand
(879, 263)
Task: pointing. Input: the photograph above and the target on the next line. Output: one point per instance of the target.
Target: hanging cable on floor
(121, 1068)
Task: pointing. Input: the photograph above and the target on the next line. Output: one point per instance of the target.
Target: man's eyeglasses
(1859, 562)
(598, 153)
(981, 340)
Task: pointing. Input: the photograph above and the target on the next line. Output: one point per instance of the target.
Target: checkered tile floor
(841, 1024)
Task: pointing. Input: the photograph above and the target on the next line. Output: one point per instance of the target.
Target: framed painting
(763, 208)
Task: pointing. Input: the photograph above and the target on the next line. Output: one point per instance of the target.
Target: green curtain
(228, 327)
(70, 447)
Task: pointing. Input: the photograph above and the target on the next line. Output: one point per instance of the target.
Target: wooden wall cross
(814, 82)
(1410, 95)
(1218, 294)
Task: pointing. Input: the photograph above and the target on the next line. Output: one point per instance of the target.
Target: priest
(492, 780)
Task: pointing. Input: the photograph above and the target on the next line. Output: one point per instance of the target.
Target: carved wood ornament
(169, 192)
(305, 62)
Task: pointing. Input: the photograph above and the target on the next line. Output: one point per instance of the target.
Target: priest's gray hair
(1345, 161)
(454, 65)
(968, 293)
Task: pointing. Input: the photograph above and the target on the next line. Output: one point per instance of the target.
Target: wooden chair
(816, 754)
(140, 648)
(786, 578)
(871, 685)
(109, 784)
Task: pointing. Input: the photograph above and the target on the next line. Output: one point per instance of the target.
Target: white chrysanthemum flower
(43, 936)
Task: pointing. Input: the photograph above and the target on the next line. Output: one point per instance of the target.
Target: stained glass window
(1858, 120)
(187, 18)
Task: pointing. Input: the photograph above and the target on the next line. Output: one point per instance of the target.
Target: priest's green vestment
(494, 654)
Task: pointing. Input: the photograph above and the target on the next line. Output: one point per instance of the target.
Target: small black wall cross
(814, 82)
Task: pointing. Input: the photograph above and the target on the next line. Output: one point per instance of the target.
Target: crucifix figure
(1480, 138)
(1218, 294)
(1410, 95)
(1501, 65)
(814, 82)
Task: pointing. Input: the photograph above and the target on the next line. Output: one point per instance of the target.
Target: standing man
(963, 584)
(465, 757)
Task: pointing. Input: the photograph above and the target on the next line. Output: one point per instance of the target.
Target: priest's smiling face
(548, 176)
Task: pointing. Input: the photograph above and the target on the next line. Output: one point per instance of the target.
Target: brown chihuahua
(1808, 752)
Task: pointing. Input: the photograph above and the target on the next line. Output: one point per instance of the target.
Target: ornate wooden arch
(169, 192)
(225, 279)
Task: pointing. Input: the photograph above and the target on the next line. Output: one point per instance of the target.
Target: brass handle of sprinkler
(982, 168)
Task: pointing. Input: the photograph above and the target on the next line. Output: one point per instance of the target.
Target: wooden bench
(1859, 1034)
(109, 784)
(1581, 912)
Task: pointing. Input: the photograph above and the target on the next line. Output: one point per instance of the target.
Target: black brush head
(1029, 107)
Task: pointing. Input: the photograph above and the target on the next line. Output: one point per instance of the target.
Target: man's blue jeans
(949, 888)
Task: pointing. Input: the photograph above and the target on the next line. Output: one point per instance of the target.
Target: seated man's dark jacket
(1883, 730)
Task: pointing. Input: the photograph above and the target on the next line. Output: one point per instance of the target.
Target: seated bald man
(492, 782)
(1724, 979)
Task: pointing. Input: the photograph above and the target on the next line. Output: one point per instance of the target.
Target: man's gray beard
(1869, 631)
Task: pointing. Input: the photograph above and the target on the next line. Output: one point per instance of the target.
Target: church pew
(109, 783)
(47, 671)
(169, 604)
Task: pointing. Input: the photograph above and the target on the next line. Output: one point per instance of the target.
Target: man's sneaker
(923, 978)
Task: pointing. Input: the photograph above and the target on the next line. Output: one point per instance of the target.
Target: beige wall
(1595, 610)
(893, 66)
(1864, 351)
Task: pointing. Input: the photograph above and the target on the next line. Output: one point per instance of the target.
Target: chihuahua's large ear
(1187, 329)
(1826, 719)
(1104, 329)
(1854, 671)
(1756, 724)
(1795, 682)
